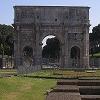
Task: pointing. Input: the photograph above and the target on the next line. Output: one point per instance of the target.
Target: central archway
(51, 50)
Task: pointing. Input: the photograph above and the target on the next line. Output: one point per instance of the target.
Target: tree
(6, 39)
(95, 39)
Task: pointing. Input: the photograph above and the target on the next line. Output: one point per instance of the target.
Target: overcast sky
(7, 11)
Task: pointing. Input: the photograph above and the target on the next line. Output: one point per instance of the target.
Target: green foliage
(6, 30)
(95, 40)
(96, 32)
(6, 39)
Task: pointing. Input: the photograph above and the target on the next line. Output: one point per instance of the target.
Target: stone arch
(32, 30)
(61, 40)
(75, 56)
(58, 61)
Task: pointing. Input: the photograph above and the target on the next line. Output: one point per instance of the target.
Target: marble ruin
(70, 24)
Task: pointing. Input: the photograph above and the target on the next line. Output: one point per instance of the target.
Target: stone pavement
(75, 90)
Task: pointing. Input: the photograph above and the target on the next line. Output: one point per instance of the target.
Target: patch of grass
(57, 73)
(66, 73)
(21, 88)
(97, 55)
(25, 88)
(8, 71)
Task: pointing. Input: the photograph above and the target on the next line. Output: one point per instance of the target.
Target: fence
(6, 61)
(95, 62)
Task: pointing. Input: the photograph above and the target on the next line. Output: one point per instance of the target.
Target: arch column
(17, 46)
(38, 48)
(66, 50)
(62, 56)
(86, 47)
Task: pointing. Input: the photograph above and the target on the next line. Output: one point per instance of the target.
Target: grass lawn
(7, 71)
(57, 73)
(95, 55)
(23, 88)
(30, 88)
(67, 73)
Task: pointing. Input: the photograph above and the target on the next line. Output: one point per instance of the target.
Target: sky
(7, 11)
